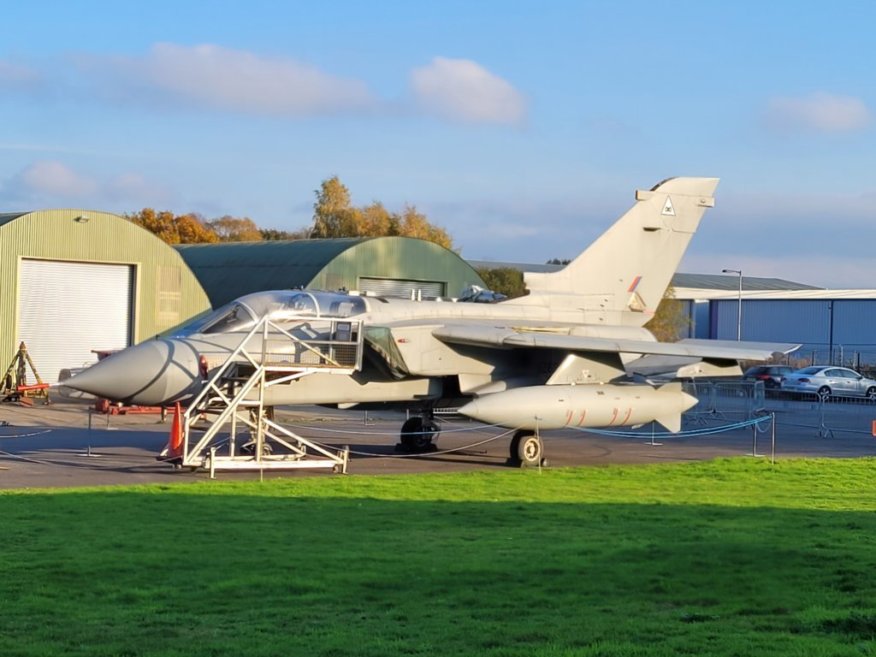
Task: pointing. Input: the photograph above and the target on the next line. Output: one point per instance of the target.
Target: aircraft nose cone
(490, 409)
(150, 373)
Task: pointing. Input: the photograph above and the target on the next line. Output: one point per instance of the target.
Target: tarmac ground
(67, 444)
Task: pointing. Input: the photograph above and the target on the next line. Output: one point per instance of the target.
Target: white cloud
(819, 112)
(10, 72)
(171, 76)
(18, 76)
(50, 183)
(226, 79)
(136, 190)
(52, 178)
(463, 90)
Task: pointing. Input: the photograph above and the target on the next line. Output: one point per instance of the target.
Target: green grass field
(730, 557)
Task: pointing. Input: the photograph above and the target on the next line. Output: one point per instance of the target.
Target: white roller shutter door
(67, 309)
(391, 287)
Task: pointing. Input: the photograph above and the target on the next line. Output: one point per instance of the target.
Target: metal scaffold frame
(275, 357)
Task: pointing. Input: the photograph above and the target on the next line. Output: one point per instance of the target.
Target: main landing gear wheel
(527, 450)
(417, 435)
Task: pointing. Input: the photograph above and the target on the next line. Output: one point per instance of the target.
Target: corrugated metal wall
(228, 271)
(697, 314)
(401, 258)
(772, 320)
(97, 237)
(830, 330)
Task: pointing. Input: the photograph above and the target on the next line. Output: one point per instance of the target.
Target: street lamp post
(739, 309)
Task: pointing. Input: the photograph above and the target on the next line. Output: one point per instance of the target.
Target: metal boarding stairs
(268, 356)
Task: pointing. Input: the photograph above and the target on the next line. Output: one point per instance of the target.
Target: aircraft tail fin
(622, 276)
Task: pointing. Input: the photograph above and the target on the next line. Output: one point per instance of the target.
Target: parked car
(771, 375)
(827, 381)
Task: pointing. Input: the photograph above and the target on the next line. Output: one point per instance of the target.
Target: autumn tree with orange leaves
(174, 229)
(335, 216)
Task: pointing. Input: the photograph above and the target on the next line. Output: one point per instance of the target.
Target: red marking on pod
(629, 412)
(569, 414)
(613, 416)
(581, 419)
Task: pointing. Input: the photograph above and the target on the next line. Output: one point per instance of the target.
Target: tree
(558, 261)
(669, 319)
(415, 224)
(173, 229)
(192, 229)
(506, 280)
(273, 234)
(375, 221)
(334, 216)
(233, 229)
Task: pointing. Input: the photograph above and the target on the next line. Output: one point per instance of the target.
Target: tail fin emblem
(636, 303)
(668, 209)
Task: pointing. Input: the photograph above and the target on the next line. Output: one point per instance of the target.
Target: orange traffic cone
(174, 443)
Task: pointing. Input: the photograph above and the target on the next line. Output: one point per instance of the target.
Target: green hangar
(388, 266)
(76, 281)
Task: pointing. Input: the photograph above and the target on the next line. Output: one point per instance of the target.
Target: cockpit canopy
(281, 306)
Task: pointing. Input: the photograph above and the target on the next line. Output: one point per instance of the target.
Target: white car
(827, 381)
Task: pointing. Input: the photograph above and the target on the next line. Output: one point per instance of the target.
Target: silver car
(827, 381)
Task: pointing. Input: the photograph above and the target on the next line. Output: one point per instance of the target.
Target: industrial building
(76, 281)
(833, 326)
(390, 266)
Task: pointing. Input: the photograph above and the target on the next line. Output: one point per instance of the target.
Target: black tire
(823, 393)
(527, 450)
(417, 435)
(871, 394)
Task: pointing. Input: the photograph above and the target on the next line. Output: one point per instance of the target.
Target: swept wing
(508, 338)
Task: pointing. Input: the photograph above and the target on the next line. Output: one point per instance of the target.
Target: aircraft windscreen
(285, 305)
(316, 304)
(233, 317)
(340, 305)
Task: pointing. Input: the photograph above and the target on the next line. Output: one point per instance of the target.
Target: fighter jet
(561, 356)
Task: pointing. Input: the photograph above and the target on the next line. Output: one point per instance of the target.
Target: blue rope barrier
(357, 432)
(680, 434)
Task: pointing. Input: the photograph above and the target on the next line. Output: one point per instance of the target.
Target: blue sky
(523, 128)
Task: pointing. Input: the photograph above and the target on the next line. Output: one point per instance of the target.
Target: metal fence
(725, 400)
(736, 401)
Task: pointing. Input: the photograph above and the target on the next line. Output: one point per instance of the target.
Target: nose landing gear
(418, 434)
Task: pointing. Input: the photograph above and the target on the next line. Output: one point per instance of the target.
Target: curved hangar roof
(383, 265)
(75, 281)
